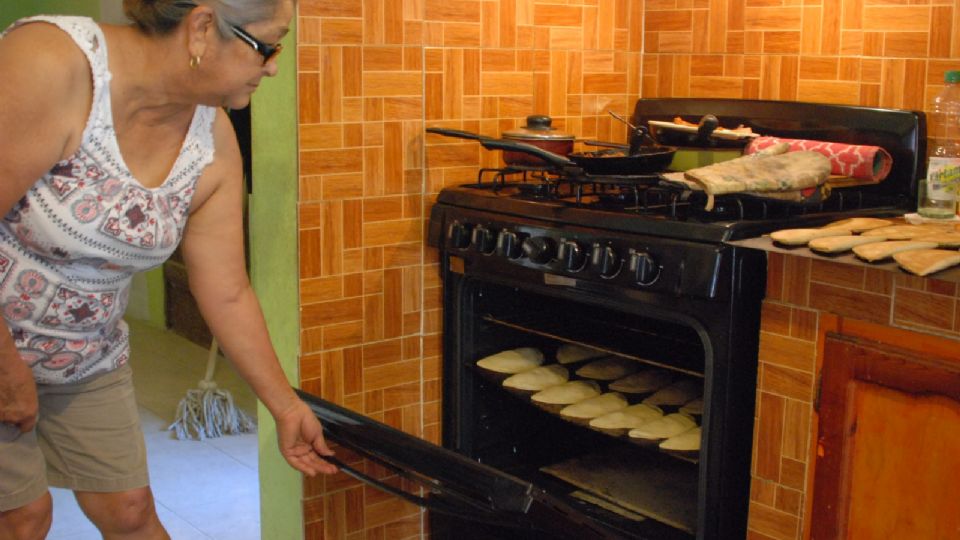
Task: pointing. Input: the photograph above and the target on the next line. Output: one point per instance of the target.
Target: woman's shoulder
(44, 48)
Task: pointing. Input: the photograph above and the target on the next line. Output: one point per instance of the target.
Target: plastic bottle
(938, 193)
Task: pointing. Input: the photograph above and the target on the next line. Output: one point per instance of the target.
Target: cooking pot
(538, 132)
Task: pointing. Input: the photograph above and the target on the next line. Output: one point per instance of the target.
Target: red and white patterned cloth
(856, 161)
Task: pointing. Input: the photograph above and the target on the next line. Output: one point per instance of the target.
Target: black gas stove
(552, 255)
(637, 268)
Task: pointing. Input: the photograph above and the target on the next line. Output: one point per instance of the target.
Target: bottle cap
(952, 77)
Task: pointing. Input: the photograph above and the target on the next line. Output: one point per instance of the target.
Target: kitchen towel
(862, 162)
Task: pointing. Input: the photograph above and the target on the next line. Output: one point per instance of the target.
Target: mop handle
(207, 381)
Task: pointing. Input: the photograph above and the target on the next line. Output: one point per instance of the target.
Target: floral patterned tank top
(70, 246)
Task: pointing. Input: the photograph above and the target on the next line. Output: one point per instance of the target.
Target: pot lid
(537, 127)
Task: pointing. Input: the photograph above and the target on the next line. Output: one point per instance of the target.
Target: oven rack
(525, 399)
(554, 332)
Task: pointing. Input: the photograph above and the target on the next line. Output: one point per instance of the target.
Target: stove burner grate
(650, 195)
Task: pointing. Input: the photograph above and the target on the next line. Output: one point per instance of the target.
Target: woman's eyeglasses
(268, 52)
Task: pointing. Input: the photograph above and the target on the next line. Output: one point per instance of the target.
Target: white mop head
(207, 412)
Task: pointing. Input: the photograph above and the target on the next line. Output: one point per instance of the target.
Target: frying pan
(617, 162)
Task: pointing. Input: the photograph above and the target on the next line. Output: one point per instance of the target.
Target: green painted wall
(274, 272)
(273, 252)
(11, 10)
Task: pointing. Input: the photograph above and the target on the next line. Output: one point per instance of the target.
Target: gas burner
(542, 190)
(498, 177)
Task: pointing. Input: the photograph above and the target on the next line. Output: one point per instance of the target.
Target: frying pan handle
(456, 133)
(514, 146)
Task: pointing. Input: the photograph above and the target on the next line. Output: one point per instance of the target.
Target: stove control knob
(644, 268)
(573, 256)
(539, 249)
(483, 240)
(459, 235)
(508, 245)
(606, 260)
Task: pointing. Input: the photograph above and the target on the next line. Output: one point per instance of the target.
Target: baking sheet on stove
(662, 489)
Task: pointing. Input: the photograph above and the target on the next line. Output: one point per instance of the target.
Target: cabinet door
(888, 448)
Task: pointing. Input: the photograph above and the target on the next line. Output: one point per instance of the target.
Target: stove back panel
(900, 132)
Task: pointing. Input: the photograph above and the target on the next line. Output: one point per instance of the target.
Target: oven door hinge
(817, 388)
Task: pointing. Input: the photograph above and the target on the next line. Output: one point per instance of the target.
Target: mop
(207, 411)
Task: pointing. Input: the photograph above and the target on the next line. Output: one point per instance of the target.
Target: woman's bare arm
(213, 252)
(44, 99)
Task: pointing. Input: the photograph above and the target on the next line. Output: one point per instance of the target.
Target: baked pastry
(688, 441)
(881, 250)
(800, 237)
(905, 232)
(634, 416)
(567, 393)
(569, 353)
(860, 224)
(923, 262)
(538, 378)
(949, 239)
(608, 369)
(676, 394)
(643, 382)
(693, 407)
(512, 360)
(663, 428)
(839, 244)
(591, 408)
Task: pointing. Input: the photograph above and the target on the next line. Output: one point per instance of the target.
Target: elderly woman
(114, 147)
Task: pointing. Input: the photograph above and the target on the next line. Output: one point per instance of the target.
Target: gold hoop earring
(194, 62)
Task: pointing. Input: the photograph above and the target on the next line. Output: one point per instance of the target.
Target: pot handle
(705, 127)
(456, 133)
(513, 146)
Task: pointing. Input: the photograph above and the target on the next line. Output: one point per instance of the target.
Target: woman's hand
(301, 442)
(18, 393)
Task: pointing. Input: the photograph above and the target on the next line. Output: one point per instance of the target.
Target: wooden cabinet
(888, 444)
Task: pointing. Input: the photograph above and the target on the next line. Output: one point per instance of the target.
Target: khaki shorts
(87, 438)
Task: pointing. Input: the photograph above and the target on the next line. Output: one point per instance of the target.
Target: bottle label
(943, 178)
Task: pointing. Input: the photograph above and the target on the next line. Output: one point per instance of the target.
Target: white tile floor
(204, 490)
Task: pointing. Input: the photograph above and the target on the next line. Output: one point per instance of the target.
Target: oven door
(452, 484)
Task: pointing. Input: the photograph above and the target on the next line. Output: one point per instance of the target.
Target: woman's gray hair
(162, 16)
